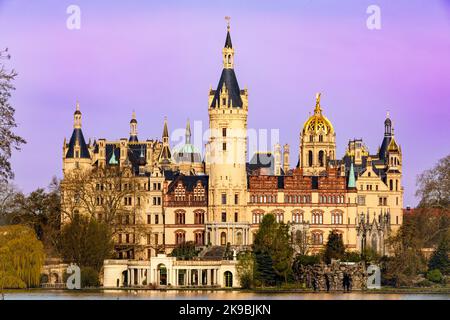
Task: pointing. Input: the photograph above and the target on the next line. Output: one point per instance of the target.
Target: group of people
(346, 282)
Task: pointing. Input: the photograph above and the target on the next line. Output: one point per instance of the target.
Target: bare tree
(434, 185)
(8, 139)
(110, 194)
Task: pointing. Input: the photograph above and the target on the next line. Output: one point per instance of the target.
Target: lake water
(210, 295)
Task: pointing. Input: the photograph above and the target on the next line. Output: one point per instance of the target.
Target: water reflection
(209, 295)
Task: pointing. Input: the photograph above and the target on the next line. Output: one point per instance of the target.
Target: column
(208, 277)
(132, 277)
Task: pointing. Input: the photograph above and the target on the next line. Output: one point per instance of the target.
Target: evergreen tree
(439, 260)
(282, 252)
(334, 248)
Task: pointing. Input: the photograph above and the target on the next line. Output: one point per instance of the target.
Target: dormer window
(224, 101)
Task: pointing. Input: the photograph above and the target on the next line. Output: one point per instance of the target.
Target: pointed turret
(77, 147)
(133, 128)
(351, 178)
(228, 94)
(165, 158)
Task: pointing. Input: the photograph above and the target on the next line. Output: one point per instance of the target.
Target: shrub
(89, 277)
(352, 257)
(434, 275)
(425, 283)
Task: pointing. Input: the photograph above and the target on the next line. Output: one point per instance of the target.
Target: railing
(53, 285)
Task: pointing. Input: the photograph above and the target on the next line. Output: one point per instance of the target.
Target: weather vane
(228, 21)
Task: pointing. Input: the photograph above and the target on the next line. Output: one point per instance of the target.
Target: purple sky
(161, 58)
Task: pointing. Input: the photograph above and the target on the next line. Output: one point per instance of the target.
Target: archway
(162, 274)
(228, 279)
(125, 278)
(223, 239)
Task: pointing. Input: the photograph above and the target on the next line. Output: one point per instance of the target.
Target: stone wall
(319, 275)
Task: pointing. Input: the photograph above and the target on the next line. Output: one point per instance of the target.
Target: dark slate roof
(189, 182)
(261, 160)
(228, 41)
(77, 135)
(137, 156)
(170, 174)
(133, 138)
(228, 78)
(384, 147)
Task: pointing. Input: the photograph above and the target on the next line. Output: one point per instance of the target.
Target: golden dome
(318, 122)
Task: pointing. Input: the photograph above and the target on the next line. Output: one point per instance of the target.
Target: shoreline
(387, 290)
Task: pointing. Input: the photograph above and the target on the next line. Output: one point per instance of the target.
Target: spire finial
(387, 114)
(133, 115)
(317, 109)
(77, 106)
(227, 18)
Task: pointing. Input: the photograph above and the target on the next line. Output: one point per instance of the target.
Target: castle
(178, 195)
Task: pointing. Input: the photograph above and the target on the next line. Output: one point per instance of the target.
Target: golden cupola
(318, 123)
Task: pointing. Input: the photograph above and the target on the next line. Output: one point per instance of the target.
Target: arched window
(199, 238)
(180, 217)
(180, 237)
(317, 217)
(310, 158)
(223, 239)
(199, 217)
(321, 158)
(297, 217)
(336, 217)
(317, 238)
(279, 217)
(228, 279)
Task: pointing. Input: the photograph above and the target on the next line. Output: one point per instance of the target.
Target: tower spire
(77, 117)
(228, 51)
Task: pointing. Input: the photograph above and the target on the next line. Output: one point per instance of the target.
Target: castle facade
(168, 197)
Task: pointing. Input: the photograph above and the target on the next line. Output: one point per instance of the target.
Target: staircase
(213, 253)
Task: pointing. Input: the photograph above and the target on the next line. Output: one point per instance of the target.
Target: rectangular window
(149, 239)
(236, 198)
(224, 198)
(127, 237)
(149, 219)
(361, 200)
(224, 146)
(224, 132)
(236, 217)
(156, 219)
(120, 238)
(224, 217)
(156, 239)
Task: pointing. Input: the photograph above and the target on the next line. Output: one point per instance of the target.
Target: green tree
(89, 277)
(439, 260)
(86, 242)
(21, 257)
(272, 250)
(245, 269)
(185, 251)
(282, 252)
(9, 141)
(334, 249)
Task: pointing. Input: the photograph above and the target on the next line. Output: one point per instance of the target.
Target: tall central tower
(226, 155)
